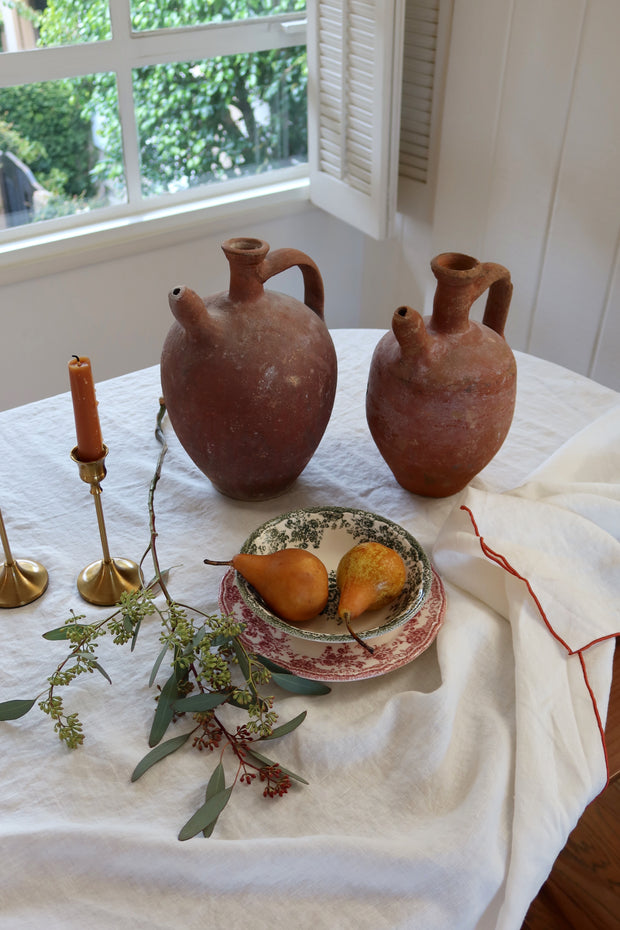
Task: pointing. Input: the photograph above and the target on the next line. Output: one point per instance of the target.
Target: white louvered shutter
(354, 93)
(421, 39)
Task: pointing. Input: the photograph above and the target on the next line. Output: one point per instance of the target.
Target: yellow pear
(370, 576)
(293, 582)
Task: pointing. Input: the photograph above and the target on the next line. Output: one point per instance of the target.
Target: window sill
(130, 235)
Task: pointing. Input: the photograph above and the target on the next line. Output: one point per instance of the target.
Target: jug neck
(458, 278)
(245, 257)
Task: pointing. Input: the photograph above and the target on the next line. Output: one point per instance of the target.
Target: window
(141, 102)
(147, 89)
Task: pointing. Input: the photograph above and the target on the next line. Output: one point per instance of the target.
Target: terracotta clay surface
(441, 389)
(249, 375)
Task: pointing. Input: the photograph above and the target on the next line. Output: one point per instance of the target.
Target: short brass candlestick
(104, 581)
(21, 581)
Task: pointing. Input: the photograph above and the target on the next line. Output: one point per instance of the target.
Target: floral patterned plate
(340, 661)
(330, 532)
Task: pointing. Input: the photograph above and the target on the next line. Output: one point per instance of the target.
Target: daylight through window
(115, 106)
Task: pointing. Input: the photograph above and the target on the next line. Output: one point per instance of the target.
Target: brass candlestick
(21, 581)
(104, 581)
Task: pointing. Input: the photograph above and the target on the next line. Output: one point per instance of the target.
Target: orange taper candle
(87, 428)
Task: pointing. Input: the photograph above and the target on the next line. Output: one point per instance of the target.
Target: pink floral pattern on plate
(342, 661)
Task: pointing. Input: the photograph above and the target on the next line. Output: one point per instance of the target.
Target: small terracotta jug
(249, 375)
(441, 389)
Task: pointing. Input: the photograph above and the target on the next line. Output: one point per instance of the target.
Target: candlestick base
(21, 582)
(104, 581)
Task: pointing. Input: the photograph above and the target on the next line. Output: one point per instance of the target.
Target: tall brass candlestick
(104, 581)
(21, 581)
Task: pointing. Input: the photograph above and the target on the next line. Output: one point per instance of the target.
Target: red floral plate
(341, 661)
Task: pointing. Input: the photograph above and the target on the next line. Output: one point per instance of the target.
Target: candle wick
(77, 358)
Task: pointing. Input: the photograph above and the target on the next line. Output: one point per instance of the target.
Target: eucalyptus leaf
(221, 639)
(158, 662)
(287, 727)
(160, 752)
(205, 815)
(63, 632)
(196, 703)
(12, 710)
(198, 638)
(154, 583)
(264, 760)
(242, 659)
(165, 711)
(272, 666)
(134, 635)
(101, 671)
(216, 784)
(299, 685)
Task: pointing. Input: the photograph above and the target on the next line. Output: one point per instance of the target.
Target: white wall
(116, 311)
(529, 169)
(527, 175)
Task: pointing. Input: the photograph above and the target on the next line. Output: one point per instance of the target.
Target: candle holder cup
(102, 582)
(21, 580)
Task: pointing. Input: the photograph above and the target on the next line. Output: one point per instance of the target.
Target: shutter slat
(420, 49)
(355, 57)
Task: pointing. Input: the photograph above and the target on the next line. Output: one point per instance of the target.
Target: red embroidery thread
(503, 562)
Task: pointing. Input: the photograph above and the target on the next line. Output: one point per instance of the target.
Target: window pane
(60, 149)
(155, 14)
(222, 118)
(35, 23)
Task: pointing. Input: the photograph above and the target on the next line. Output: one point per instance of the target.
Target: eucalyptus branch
(159, 435)
(207, 657)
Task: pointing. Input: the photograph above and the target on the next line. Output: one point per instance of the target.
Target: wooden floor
(583, 889)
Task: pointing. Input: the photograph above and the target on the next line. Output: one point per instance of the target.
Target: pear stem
(346, 616)
(215, 562)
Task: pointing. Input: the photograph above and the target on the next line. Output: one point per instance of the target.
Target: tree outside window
(197, 122)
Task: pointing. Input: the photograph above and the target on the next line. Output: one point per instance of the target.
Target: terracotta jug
(249, 375)
(441, 389)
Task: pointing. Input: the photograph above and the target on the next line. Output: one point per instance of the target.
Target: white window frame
(125, 229)
(120, 54)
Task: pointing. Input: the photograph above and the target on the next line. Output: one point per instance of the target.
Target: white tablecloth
(439, 795)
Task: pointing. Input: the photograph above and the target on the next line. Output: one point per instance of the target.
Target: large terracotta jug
(249, 375)
(441, 389)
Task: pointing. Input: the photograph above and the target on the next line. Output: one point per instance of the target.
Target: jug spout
(187, 307)
(410, 331)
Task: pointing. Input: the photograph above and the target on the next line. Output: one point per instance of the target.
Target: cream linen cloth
(439, 795)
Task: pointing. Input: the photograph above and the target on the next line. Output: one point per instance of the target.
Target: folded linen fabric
(546, 557)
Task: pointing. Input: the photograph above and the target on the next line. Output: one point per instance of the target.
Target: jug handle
(282, 259)
(497, 279)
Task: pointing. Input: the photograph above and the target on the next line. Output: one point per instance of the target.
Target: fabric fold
(546, 557)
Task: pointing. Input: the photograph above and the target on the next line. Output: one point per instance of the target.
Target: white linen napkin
(546, 557)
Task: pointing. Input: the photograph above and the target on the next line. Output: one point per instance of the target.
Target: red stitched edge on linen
(501, 560)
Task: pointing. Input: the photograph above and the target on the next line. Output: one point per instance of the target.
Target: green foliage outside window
(42, 124)
(197, 121)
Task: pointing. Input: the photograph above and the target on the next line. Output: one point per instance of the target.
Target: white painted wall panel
(529, 169)
(535, 102)
(583, 235)
(606, 363)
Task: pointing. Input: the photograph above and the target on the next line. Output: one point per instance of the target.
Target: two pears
(293, 582)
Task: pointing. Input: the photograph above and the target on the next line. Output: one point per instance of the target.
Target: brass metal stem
(22, 581)
(104, 581)
(96, 492)
(5, 542)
